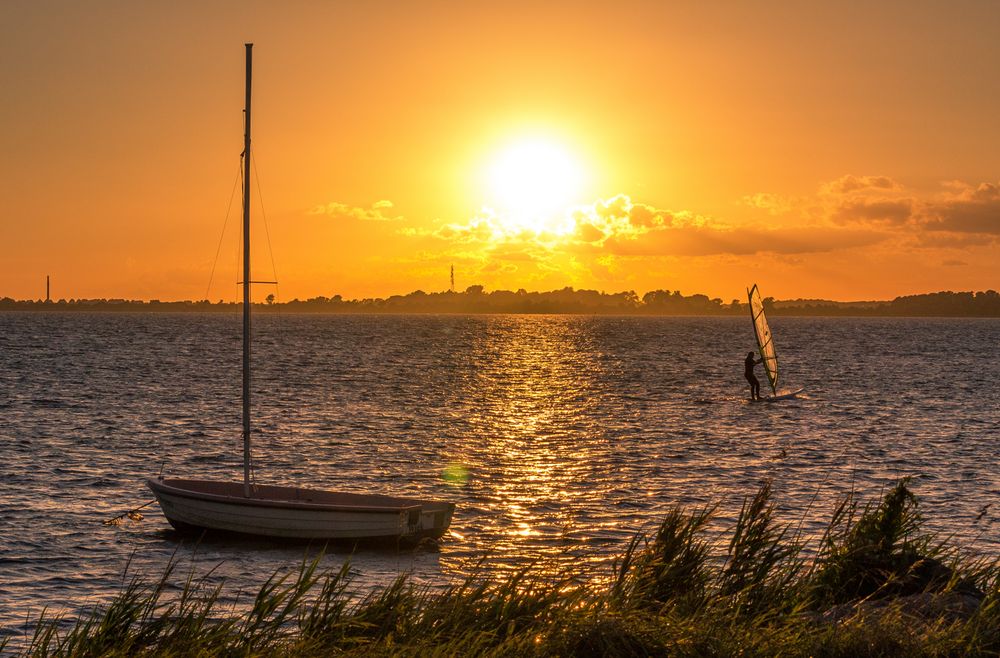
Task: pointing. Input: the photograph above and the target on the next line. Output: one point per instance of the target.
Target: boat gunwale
(160, 486)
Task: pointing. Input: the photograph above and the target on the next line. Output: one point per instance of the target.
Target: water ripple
(567, 433)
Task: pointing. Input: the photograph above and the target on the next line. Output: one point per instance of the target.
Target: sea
(559, 438)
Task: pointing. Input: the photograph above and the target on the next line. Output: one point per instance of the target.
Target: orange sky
(836, 150)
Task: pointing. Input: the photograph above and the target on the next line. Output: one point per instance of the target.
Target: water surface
(572, 433)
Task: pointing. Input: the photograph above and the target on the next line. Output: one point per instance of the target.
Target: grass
(878, 585)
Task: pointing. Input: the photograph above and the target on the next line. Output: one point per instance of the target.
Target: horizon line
(472, 290)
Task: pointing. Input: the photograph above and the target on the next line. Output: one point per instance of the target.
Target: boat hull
(294, 513)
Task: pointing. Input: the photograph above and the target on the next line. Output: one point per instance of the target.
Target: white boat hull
(293, 513)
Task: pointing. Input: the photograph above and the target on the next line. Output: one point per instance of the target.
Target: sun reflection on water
(529, 455)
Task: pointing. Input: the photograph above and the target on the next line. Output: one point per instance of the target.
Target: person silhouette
(748, 365)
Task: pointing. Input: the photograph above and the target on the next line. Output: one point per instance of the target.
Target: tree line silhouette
(475, 299)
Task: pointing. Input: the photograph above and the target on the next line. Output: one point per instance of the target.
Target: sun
(532, 182)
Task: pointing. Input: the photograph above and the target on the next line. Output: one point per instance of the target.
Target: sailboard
(765, 342)
(784, 396)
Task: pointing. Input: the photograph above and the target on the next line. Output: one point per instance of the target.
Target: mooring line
(132, 514)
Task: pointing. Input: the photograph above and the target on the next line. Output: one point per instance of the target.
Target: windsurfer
(748, 365)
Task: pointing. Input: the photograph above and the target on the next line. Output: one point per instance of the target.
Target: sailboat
(281, 511)
(765, 344)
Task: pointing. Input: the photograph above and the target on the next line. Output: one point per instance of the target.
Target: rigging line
(238, 251)
(274, 272)
(270, 249)
(263, 214)
(222, 237)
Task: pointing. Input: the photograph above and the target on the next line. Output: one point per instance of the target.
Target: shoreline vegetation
(476, 300)
(875, 584)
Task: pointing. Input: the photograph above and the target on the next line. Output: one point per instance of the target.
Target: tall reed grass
(878, 585)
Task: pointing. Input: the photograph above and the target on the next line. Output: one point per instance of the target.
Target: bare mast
(246, 279)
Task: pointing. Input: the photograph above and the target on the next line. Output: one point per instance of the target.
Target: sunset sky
(846, 150)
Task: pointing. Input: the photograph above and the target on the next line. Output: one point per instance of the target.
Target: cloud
(342, 211)
(498, 267)
(934, 239)
(966, 209)
(590, 234)
(852, 212)
(620, 227)
(623, 228)
(851, 183)
(884, 203)
(619, 216)
(742, 241)
(850, 199)
(775, 204)
(478, 229)
(877, 210)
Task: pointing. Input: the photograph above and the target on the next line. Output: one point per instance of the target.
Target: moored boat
(287, 512)
(297, 513)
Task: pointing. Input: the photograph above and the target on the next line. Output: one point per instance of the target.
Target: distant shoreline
(566, 301)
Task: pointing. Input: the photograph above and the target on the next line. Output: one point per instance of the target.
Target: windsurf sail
(765, 343)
